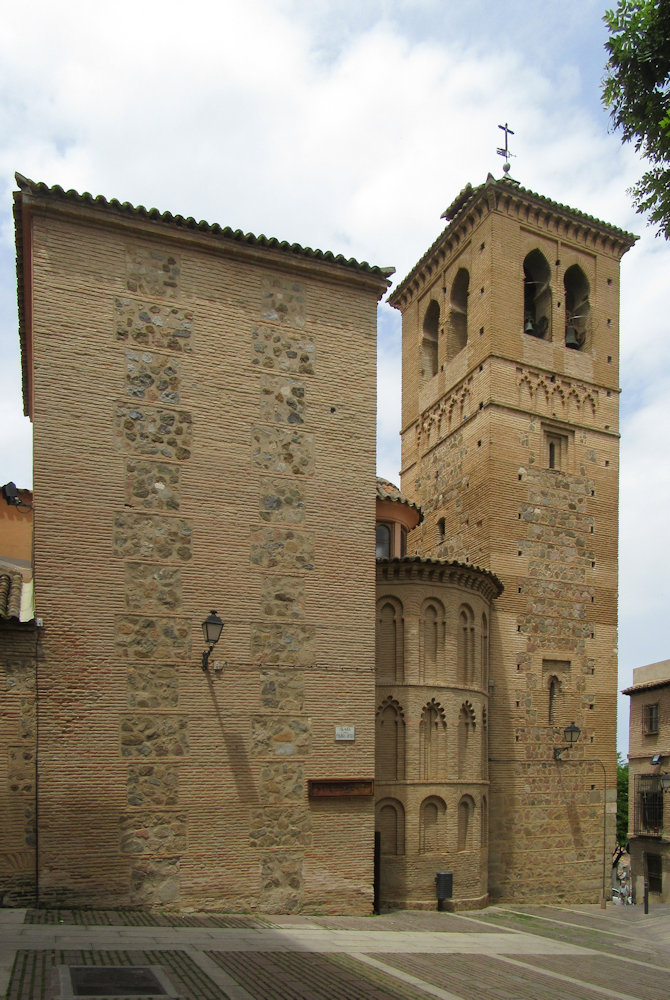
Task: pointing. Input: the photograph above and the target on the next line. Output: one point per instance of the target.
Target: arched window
(466, 808)
(431, 326)
(390, 821)
(432, 741)
(457, 336)
(577, 307)
(432, 816)
(383, 541)
(390, 660)
(466, 746)
(432, 641)
(466, 645)
(536, 296)
(485, 650)
(390, 741)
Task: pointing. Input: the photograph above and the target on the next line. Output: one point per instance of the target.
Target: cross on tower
(504, 150)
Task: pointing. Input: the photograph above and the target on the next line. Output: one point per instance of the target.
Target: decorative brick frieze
(152, 272)
(152, 536)
(137, 637)
(289, 643)
(153, 685)
(152, 485)
(282, 549)
(153, 735)
(282, 451)
(282, 500)
(280, 736)
(151, 431)
(154, 833)
(277, 826)
(274, 349)
(152, 588)
(153, 785)
(282, 690)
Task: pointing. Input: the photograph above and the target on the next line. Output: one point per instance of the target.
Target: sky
(347, 126)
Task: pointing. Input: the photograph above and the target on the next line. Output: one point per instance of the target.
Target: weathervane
(504, 150)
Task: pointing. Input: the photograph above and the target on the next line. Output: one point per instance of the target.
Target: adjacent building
(649, 780)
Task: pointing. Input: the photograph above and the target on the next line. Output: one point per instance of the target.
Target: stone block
(282, 880)
(140, 638)
(152, 378)
(153, 326)
(283, 690)
(282, 451)
(282, 500)
(154, 485)
(153, 785)
(153, 685)
(21, 770)
(152, 272)
(281, 782)
(152, 536)
(282, 549)
(280, 826)
(19, 674)
(280, 736)
(273, 642)
(282, 400)
(146, 430)
(283, 597)
(150, 587)
(152, 735)
(154, 882)
(282, 302)
(277, 350)
(150, 832)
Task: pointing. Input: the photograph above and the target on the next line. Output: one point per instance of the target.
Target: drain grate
(87, 981)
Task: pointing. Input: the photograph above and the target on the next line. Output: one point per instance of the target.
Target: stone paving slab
(645, 982)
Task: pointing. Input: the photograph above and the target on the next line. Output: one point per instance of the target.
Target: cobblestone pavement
(502, 953)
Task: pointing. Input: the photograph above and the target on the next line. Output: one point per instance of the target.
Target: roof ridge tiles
(40, 189)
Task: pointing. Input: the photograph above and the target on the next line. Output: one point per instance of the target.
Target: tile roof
(387, 491)
(11, 586)
(39, 189)
(450, 570)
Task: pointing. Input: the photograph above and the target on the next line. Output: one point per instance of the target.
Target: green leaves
(636, 90)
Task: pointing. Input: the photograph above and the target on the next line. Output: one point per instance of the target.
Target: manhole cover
(114, 981)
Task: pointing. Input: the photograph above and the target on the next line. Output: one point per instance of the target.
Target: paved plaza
(502, 953)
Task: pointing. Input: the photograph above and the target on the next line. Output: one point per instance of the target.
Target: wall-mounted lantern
(571, 734)
(211, 630)
(665, 781)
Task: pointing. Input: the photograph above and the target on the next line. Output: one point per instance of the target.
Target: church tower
(510, 444)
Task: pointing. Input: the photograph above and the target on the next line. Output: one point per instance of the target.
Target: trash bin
(444, 887)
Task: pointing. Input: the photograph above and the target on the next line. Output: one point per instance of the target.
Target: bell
(529, 327)
(572, 339)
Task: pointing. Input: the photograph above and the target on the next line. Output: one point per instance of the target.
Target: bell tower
(510, 444)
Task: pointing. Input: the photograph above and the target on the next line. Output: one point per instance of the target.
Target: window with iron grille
(650, 719)
(648, 819)
(654, 866)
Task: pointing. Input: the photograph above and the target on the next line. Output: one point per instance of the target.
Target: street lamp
(665, 781)
(211, 630)
(571, 734)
